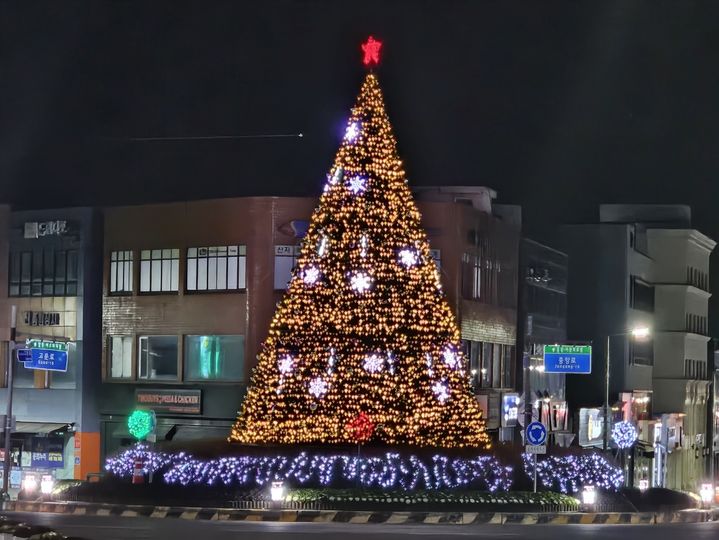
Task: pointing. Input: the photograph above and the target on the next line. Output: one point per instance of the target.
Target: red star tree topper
(371, 52)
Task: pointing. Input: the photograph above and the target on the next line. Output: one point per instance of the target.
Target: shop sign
(47, 453)
(591, 427)
(38, 229)
(170, 400)
(42, 318)
(510, 409)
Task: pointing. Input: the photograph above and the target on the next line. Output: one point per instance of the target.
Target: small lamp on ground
(589, 496)
(277, 491)
(47, 484)
(29, 484)
(706, 493)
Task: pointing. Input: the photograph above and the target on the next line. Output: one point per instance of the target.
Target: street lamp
(639, 332)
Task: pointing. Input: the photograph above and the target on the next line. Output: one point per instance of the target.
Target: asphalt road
(117, 528)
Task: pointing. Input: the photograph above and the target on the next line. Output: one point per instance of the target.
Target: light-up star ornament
(358, 184)
(373, 363)
(318, 387)
(352, 132)
(441, 391)
(311, 275)
(408, 257)
(286, 364)
(371, 50)
(360, 282)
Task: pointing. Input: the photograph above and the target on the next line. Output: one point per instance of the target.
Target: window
(121, 272)
(472, 286)
(157, 358)
(218, 268)
(642, 352)
(642, 295)
(159, 270)
(285, 261)
(120, 354)
(214, 358)
(43, 273)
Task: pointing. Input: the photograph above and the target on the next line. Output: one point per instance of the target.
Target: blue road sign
(24, 355)
(49, 359)
(572, 359)
(536, 434)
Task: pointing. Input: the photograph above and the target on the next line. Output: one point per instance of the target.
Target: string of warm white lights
(366, 294)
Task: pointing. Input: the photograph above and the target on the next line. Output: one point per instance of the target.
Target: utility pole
(606, 394)
(8, 415)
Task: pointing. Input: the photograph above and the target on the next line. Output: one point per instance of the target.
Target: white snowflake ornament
(358, 185)
(373, 363)
(310, 275)
(352, 131)
(408, 257)
(360, 282)
(441, 391)
(286, 364)
(318, 387)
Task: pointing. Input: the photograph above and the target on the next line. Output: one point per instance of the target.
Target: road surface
(121, 528)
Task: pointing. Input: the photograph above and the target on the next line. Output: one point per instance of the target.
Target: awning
(38, 427)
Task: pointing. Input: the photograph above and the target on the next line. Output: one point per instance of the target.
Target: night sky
(557, 105)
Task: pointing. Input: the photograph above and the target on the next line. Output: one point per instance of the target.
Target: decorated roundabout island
(361, 385)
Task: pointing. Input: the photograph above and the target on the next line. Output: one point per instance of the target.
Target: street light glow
(641, 332)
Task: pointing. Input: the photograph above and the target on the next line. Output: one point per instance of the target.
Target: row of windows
(491, 364)
(696, 324)
(205, 358)
(487, 280)
(43, 272)
(213, 268)
(695, 369)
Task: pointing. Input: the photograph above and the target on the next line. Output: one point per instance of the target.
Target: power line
(211, 137)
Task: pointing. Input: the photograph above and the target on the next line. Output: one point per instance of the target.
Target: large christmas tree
(364, 335)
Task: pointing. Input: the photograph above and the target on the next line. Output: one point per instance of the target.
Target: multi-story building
(53, 279)
(644, 266)
(189, 290)
(543, 321)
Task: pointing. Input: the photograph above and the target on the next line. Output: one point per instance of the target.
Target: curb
(341, 516)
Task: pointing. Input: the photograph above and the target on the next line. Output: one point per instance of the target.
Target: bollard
(138, 475)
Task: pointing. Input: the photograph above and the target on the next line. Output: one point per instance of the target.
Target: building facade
(52, 276)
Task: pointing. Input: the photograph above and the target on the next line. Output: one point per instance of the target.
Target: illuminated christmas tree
(364, 335)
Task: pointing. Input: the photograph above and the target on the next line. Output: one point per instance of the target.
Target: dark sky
(558, 105)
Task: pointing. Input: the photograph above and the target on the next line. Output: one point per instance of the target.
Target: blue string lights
(390, 471)
(569, 474)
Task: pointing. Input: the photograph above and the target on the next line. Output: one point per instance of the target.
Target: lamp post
(639, 332)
